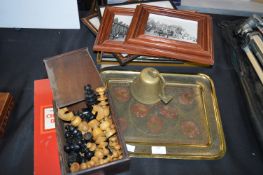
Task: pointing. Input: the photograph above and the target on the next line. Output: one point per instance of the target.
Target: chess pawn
(110, 132)
(115, 145)
(76, 121)
(83, 166)
(93, 124)
(74, 167)
(90, 164)
(84, 127)
(91, 146)
(95, 160)
(103, 161)
(99, 154)
(103, 147)
(113, 139)
(100, 139)
(65, 115)
(97, 132)
(105, 124)
(108, 159)
(115, 154)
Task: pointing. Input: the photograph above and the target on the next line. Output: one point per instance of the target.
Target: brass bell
(148, 87)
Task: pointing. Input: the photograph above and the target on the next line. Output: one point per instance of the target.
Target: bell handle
(164, 97)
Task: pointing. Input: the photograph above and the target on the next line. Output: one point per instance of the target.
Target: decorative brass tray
(188, 127)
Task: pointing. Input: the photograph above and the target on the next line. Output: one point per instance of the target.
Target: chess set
(91, 135)
(88, 137)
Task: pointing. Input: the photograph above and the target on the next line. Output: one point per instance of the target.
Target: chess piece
(88, 155)
(99, 153)
(110, 132)
(76, 121)
(65, 115)
(83, 166)
(93, 124)
(84, 127)
(97, 132)
(102, 111)
(87, 115)
(90, 164)
(105, 124)
(100, 139)
(74, 167)
(95, 160)
(90, 96)
(87, 136)
(113, 139)
(91, 146)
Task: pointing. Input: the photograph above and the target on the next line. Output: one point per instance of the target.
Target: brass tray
(189, 127)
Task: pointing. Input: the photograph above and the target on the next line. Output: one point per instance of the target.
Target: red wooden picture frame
(103, 41)
(137, 42)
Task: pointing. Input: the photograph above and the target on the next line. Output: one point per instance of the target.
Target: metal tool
(250, 32)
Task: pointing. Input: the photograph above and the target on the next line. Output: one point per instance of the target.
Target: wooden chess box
(68, 74)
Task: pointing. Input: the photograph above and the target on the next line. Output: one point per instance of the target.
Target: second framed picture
(181, 35)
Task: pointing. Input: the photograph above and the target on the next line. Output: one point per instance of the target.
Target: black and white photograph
(172, 28)
(120, 27)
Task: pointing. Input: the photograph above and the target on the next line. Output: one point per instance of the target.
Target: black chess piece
(88, 155)
(87, 136)
(83, 149)
(72, 157)
(90, 95)
(67, 148)
(88, 115)
(81, 159)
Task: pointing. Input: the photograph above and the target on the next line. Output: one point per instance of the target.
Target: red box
(46, 157)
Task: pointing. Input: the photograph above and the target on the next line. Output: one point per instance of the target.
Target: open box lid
(69, 73)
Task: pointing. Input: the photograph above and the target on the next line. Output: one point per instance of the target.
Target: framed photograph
(113, 30)
(162, 32)
(92, 22)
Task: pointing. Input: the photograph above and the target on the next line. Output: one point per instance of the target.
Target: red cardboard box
(46, 157)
